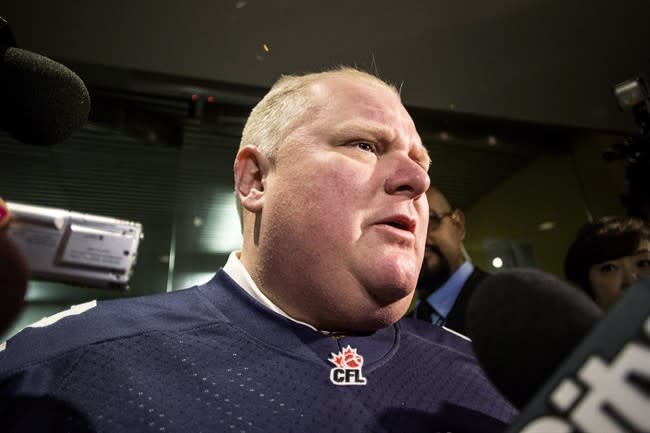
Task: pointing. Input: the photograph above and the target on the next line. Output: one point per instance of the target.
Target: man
(447, 279)
(298, 332)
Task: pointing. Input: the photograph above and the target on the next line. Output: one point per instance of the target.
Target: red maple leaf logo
(347, 358)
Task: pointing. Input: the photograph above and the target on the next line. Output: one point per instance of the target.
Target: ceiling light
(546, 225)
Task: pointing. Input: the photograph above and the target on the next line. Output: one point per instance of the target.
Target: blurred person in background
(447, 278)
(607, 256)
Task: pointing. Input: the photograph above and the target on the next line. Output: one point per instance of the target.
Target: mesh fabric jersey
(212, 359)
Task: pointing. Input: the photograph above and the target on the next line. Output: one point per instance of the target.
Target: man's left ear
(251, 168)
(459, 223)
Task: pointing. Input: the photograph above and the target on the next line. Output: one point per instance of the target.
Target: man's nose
(405, 176)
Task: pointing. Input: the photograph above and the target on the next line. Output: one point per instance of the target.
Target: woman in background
(608, 255)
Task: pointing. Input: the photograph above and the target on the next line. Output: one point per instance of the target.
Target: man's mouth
(401, 222)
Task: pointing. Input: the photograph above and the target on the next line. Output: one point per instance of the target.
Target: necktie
(426, 312)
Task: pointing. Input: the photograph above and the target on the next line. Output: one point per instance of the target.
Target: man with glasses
(447, 279)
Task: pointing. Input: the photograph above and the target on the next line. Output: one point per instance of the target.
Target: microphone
(550, 350)
(522, 323)
(42, 102)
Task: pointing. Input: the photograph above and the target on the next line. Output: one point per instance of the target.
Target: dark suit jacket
(457, 315)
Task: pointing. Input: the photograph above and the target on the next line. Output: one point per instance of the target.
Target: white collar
(236, 270)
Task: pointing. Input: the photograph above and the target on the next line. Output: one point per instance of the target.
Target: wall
(554, 189)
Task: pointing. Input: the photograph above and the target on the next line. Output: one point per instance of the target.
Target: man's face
(344, 215)
(443, 253)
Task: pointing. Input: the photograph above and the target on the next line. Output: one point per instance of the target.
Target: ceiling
(544, 61)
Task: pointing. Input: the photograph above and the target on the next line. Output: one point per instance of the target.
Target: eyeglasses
(435, 220)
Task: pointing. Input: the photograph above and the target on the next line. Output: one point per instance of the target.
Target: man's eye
(368, 147)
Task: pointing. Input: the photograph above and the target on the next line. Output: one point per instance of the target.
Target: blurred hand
(13, 273)
(4, 214)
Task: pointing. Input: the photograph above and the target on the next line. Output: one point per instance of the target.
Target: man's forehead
(376, 106)
(352, 87)
(372, 100)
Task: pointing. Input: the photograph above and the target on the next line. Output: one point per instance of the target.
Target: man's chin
(433, 263)
(387, 291)
(431, 280)
(391, 278)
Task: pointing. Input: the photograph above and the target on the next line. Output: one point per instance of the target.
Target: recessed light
(546, 225)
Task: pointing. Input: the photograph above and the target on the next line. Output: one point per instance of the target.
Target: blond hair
(285, 105)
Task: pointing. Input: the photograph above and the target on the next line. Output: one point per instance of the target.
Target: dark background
(545, 61)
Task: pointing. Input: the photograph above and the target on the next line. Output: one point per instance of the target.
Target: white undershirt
(236, 270)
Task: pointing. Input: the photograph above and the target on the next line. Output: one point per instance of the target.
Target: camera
(76, 248)
(634, 95)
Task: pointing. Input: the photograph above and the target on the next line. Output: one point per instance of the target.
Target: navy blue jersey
(212, 359)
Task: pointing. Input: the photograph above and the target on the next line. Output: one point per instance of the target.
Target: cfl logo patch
(347, 367)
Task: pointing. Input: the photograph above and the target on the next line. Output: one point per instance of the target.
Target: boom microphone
(548, 348)
(42, 102)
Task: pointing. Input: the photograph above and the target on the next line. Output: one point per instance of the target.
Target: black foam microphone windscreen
(42, 102)
(523, 323)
